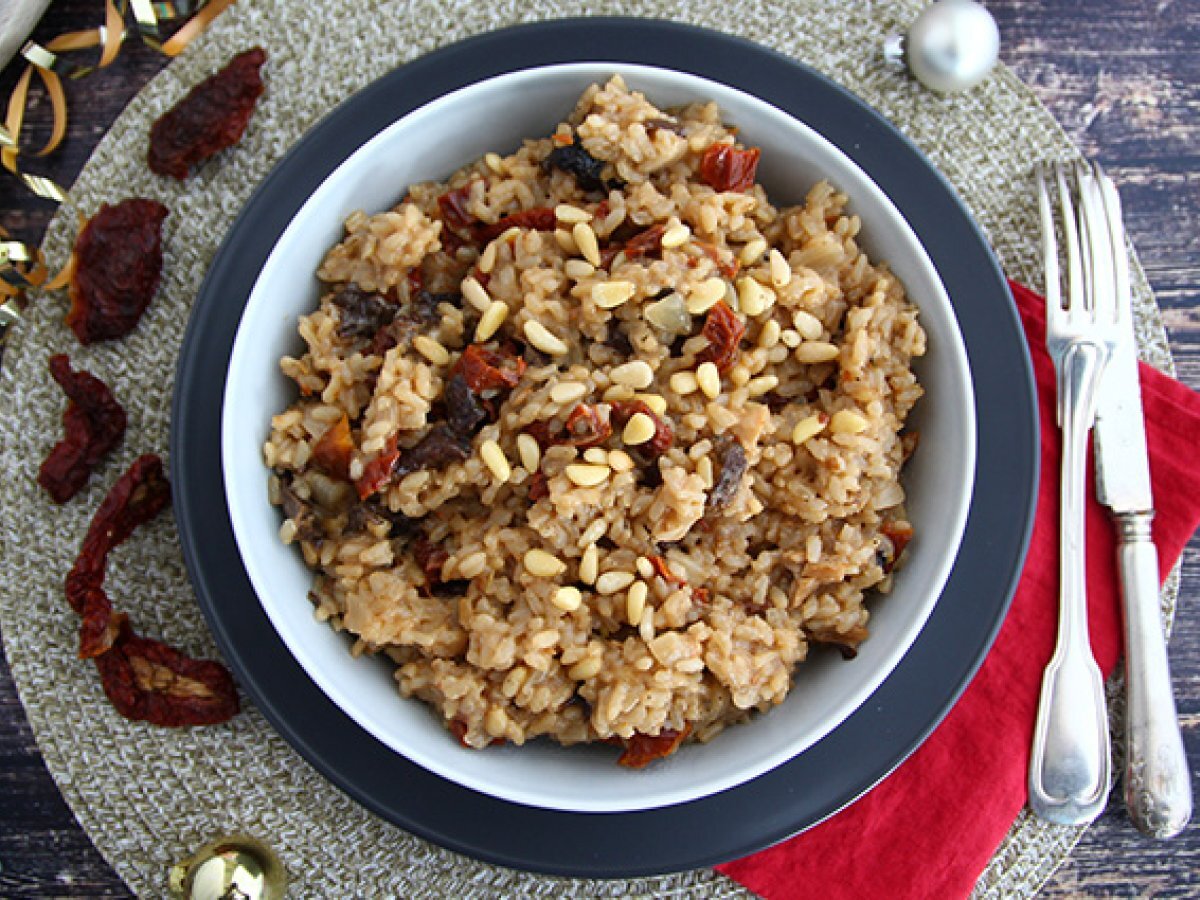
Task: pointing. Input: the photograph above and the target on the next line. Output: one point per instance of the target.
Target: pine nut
(768, 335)
(473, 292)
(763, 384)
(847, 421)
(541, 564)
(487, 259)
(491, 321)
(656, 402)
(529, 451)
(565, 242)
(617, 392)
(816, 352)
(597, 455)
(585, 240)
(589, 565)
(636, 374)
(572, 215)
(752, 252)
(639, 429)
(808, 427)
(752, 298)
(684, 383)
(431, 350)
(494, 162)
(781, 269)
(739, 375)
(586, 668)
(568, 599)
(493, 457)
(611, 294)
(709, 380)
(611, 582)
(704, 468)
(706, 295)
(568, 391)
(645, 567)
(635, 602)
(675, 236)
(587, 474)
(808, 325)
(541, 337)
(620, 461)
(578, 269)
(790, 338)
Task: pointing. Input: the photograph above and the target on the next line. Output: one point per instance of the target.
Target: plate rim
(199, 503)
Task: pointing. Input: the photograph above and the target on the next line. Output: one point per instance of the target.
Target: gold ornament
(233, 867)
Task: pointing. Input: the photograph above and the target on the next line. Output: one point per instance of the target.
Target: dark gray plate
(796, 795)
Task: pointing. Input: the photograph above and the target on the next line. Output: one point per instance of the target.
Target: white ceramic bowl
(496, 115)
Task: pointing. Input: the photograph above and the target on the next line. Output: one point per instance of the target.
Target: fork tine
(1049, 248)
(1099, 252)
(1116, 226)
(1076, 289)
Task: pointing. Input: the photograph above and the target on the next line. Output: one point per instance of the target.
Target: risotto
(593, 441)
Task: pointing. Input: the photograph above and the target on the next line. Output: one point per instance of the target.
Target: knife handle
(1158, 791)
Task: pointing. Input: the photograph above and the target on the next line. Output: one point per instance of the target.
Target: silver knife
(1157, 786)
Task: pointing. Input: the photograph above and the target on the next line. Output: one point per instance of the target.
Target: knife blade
(1158, 791)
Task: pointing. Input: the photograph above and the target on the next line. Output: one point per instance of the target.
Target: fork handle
(1070, 770)
(1158, 792)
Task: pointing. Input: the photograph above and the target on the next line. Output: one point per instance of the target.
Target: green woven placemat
(148, 796)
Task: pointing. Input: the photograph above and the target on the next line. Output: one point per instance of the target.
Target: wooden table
(1123, 78)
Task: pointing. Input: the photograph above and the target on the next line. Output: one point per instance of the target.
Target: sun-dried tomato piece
(662, 570)
(94, 423)
(453, 206)
(643, 749)
(724, 330)
(334, 450)
(378, 472)
(724, 167)
(660, 443)
(431, 557)
(539, 486)
(485, 369)
(212, 117)
(137, 496)
(585, 427)
(118, 262)
(647, 243)
(540, 218)
(149, 681)
(899, 534)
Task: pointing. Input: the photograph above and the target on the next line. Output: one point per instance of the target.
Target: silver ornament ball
(951, 46)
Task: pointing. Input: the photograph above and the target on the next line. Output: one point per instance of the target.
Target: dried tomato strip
(212, 117)
(118, 263)
(485, 369)
(149, 681)
(724, 330)
(584, 427)
(94, 423)
(660, 443)
(431, 557)
(643, 749)
(540, 218)
(138, 496)
(334, 449)
(453, 207)
(724, 167)
(378, 472)
(663, 570)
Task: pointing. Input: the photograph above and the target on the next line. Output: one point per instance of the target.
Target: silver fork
(1070, 771)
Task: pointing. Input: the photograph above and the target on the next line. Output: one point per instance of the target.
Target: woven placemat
(147, 796)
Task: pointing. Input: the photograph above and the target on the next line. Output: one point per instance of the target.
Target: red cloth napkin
(930, 828)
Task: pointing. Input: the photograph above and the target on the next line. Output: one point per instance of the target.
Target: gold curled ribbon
(50, 66)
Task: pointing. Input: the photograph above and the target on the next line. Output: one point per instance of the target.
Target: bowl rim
(766, 74)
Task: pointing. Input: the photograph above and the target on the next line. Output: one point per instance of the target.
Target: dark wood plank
(1122, 77)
